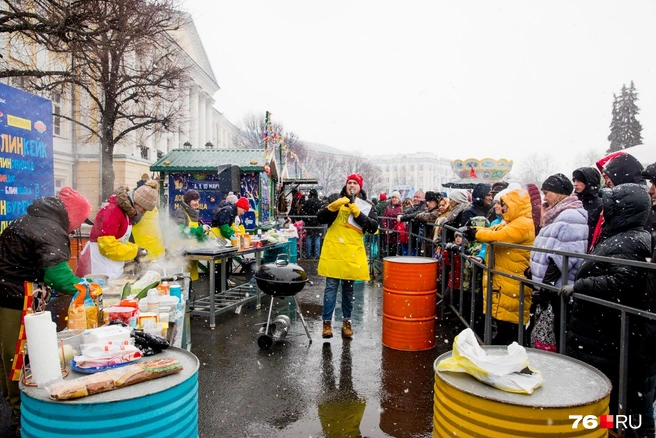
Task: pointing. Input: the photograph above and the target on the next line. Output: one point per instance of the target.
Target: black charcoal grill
(280, 279)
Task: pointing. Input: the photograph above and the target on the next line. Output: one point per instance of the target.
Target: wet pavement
(301, 389)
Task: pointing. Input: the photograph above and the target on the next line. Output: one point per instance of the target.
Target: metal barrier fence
(468, 316)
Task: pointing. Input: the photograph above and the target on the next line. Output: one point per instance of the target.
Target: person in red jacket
(109, 247)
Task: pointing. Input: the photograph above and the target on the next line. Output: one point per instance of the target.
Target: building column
(209, 122)
(184, 123)
(193, 116)
(202, 120)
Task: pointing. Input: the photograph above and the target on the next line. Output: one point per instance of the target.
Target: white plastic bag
(509, 372)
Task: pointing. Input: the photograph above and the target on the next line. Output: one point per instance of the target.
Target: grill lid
(281, 271)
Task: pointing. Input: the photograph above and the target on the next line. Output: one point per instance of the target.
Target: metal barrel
(409, 298)
(164, 407)
(465, 407)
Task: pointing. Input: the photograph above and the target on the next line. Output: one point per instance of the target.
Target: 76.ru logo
(606, 421)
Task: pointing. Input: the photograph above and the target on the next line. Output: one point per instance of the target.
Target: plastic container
(152, 301)
(110, 333)
(164, 288)
(176, 291)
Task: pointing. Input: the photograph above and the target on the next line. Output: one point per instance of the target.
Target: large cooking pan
(281, 278)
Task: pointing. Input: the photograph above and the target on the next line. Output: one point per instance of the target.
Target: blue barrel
(164, 407)
(293, 253)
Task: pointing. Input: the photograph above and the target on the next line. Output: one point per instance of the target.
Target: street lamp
(209, 145)
(186, 145)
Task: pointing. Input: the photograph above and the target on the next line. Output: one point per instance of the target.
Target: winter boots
(327, 330)
(347, 331)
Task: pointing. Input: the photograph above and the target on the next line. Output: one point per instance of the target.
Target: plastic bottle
(152, 300)
(259, 234)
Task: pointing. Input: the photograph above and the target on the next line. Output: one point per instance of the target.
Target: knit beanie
(231, 198)
(146, 196)
(395, 194)
(558, 183)
(77, 207)
(191, 195)
(459, 196)
(383, 196)
(356, 177)
(243, 203)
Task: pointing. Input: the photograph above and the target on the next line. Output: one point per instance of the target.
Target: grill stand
(265, 341)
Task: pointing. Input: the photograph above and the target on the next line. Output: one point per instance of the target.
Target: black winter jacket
(34, 241)
(309, 210)
(590, 196)
(476, 208)
(594, 333)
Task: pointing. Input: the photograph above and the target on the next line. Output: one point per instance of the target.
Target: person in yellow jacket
(343, 255)
(518, 228)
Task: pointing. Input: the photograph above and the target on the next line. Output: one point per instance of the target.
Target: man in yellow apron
(343, 255)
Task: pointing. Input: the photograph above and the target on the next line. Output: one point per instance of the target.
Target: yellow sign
(19, 122)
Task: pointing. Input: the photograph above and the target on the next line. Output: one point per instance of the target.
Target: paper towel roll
(42, 348)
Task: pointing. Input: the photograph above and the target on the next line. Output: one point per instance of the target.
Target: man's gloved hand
(566, 291)
(336, 205)
(141, 254)
(469, 233)
(206, 228)
(355, 210)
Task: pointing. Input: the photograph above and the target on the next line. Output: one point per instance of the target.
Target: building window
(56, 110)
(144, 151)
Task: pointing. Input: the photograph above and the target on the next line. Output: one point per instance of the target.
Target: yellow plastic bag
(510, 372)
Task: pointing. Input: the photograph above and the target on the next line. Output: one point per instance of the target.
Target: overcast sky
(457, 78)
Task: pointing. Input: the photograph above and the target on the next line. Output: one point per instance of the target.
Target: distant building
(421, 170)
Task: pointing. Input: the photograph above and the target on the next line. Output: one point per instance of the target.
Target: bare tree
(587, 158)
(535, 168)
(119, 55)
(327, 169)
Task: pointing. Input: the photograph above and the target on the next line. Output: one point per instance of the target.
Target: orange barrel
(465, 407)
(409, 297)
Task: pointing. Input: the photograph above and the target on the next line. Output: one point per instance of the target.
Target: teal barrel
(164, 407)
(293, 252)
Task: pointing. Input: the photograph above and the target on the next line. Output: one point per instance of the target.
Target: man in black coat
(594, 334)
(312, 226)
(481, 203)
(586, 187)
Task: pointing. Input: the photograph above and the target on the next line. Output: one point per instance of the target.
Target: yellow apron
(193, 264)
(343, 254)
(147, 234)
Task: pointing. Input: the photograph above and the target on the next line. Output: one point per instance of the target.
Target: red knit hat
(243, 203)
(383, 197)
(77, 207)
(357, 178)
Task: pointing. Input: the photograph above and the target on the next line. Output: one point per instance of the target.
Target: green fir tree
(625, 129)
